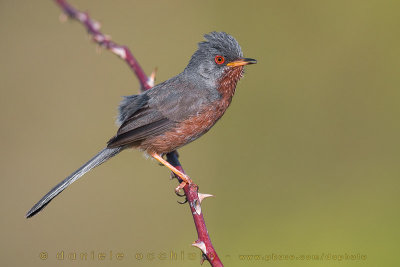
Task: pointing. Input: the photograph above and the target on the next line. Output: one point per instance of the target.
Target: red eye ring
(219, 60)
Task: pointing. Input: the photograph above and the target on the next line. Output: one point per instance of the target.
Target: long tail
(101, 157)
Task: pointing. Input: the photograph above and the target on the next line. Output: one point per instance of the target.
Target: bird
(173, 113)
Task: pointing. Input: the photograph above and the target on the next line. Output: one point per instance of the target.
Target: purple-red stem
(191, 191)
(93, 28)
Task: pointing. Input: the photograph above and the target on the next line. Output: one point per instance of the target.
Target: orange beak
(242, 62)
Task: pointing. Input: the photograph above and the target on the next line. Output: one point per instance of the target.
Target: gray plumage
(153, 113)
(183, 96)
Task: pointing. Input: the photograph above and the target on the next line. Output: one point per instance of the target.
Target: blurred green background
(305, 161)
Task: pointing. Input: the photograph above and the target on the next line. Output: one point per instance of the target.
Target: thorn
(152, 77)
(119, 51)
(82, 17)
(99, 38)
(203, 196)
(96, 25)
(200, 245)
(63, 18)
(98, 49)
(197, 207)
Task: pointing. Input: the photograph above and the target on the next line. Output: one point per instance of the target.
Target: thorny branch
(194, 198)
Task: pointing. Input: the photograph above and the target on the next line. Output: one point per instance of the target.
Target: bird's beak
(242, 62)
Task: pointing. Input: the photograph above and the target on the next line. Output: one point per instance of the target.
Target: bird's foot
(186, 180)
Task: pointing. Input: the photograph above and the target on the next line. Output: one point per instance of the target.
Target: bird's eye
(219, 60)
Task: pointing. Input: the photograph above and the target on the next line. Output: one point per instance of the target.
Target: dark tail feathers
(101, 157)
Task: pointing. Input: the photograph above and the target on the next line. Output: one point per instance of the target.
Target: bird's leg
(159, 163)
(184, 177)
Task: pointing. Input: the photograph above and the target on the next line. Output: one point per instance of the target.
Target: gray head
(215, 56)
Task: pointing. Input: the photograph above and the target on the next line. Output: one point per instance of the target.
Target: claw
(179, 194)
(182, 202)
(179, 188)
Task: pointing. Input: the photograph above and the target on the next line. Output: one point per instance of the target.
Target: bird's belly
(184, 133)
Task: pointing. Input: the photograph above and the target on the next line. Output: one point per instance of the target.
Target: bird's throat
(227, 85)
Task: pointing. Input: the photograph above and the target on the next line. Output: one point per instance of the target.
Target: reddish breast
(194, 127)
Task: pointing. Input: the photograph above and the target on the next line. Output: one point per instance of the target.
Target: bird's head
(217, 56)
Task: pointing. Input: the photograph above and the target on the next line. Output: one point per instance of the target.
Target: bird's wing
(142, 124)
(159, 110)
(130, 105)
(179, 98)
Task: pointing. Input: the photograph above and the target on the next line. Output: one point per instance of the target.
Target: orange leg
(183, 176)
